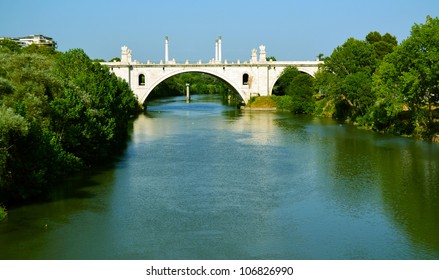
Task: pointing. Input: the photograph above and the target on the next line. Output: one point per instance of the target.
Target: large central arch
(144, 94)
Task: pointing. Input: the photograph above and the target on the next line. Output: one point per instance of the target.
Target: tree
(58, 113)
(410, 76)
(353, 56)
(295, 91)
(383, 45)
(346, 78)
(287, 76)
(7, 45)
(12, 127)
(43, 50)
(301, 91)
(91, 114)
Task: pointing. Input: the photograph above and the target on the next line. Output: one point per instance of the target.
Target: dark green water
(205, 181)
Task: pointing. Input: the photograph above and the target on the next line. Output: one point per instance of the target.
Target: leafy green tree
(383, 45)
(58, 113)
(295, 91)
(7, 45)
(409, 77)
(12, 127)
(5, 87)
(93, 110)
(358, 90)
(301, 92)
(352, 57)
(43, 50)
(346, 78)
(287, 76)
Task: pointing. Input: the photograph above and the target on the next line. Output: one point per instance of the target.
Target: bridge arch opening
(200, 82)
(289, 78)
(295, 91)
(235, 89)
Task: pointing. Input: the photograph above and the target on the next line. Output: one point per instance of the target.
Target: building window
(141, 80)
(245, 79)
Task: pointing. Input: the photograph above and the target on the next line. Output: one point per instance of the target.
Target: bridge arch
(144, 94)
(304, 70)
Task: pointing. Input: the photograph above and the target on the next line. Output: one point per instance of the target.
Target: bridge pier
(188, 96)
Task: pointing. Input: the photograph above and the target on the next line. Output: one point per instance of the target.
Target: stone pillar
(262, 54)
(220, 59)
(126, 55)
(254, 56)
(166, 50)
(188, 96)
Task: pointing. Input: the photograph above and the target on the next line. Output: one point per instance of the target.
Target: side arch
(144, 95)
(305, 70)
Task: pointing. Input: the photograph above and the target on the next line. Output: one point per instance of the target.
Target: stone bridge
(249, 78)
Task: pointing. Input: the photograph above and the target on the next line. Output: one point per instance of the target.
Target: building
(39, 40)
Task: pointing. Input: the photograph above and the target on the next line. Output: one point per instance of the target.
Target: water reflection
(410, 176)
(205, 181)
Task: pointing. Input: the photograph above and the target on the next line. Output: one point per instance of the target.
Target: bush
(3, 213)
(283, 103)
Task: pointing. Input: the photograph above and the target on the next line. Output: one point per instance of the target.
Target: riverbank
(324, 107)
(261, 103)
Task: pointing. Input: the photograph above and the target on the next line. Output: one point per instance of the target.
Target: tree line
(59, 113)
(376, 83)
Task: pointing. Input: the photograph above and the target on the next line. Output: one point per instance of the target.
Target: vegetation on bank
(3, 213)
(261, 102)
(374, 83)
(59, 113)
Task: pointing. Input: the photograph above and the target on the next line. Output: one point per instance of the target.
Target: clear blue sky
(290, 29)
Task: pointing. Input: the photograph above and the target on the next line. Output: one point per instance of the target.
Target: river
(206, 181)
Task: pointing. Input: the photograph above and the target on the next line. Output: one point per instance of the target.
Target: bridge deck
(216, 64)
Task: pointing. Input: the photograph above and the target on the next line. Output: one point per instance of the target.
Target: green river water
(207, 181)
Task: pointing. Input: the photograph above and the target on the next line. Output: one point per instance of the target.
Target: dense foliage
(407, 84)
(346, 76)
(59, 112)
(3, 213)
(374, 83)
(294, 92)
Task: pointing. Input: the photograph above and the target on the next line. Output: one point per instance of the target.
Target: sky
(290, 29)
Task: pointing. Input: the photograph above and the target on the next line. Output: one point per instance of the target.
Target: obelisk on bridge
(220, 59)
(166, 50)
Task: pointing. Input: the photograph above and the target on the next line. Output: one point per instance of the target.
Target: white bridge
(249, 78)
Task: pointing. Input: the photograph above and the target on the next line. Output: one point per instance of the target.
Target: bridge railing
(214, 63)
